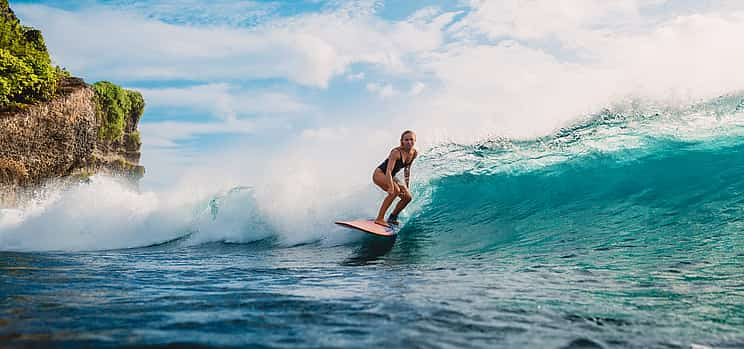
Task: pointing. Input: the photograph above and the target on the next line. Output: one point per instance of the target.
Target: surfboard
(369, 226)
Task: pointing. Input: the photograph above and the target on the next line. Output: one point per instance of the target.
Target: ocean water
(624, 230)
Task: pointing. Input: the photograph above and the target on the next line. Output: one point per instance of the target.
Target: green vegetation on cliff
(27, 76)
(47, 125)
(115, 108)
(26, 72)
(133, 140)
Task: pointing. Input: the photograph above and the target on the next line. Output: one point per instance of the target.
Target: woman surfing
(384, 176)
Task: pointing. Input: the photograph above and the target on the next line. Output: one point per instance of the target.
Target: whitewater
(622, 229)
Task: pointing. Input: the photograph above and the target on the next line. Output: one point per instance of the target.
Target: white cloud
(168, 133)
(417, 88)
(388, 91)
(223, 100)
(357, 76)
(307, 49)
(381, 89)
(540, 18)
(692, 56)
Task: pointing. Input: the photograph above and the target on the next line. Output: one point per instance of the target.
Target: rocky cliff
(68, 133)
(59, 139)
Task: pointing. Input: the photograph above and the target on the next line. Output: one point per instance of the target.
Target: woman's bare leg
(404, 200)
(379, 178)
(383, 208)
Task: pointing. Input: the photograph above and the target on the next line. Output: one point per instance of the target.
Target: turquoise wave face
(681, 197)
(636, 180)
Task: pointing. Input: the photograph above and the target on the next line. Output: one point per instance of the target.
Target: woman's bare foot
(382, 223)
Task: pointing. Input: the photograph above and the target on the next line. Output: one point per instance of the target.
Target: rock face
(54, 127)
(58, 139)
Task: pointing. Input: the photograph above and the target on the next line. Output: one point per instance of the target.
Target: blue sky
(346, 77)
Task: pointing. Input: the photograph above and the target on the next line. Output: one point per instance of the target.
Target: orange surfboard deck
(368, 226)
